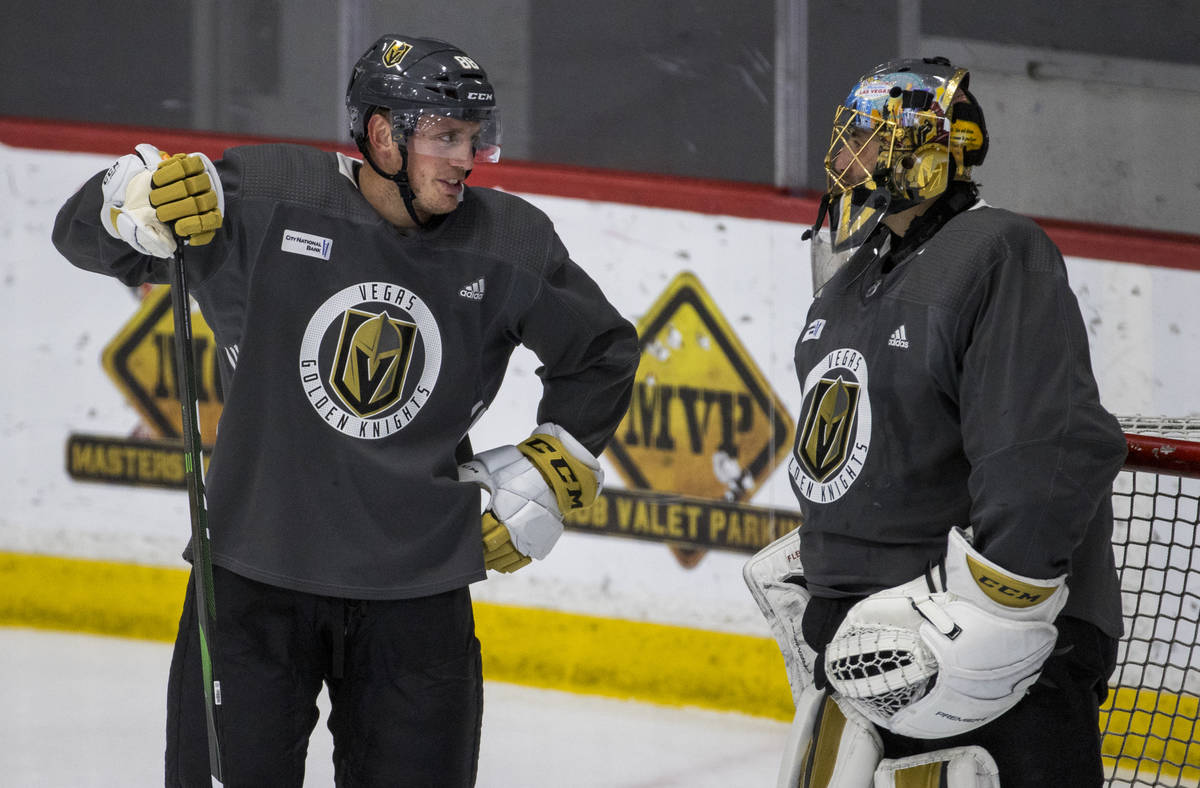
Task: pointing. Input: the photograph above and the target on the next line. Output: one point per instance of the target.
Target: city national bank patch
(306, 244)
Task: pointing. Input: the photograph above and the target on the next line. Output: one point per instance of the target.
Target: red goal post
(1149, 721)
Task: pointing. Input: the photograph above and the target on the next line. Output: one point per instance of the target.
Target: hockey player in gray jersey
(366, 313)
(949, 608)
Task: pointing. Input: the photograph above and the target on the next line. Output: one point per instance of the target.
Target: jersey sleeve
(1043, 451)
(589, 353)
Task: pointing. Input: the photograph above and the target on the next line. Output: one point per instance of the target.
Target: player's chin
(437, 206)
(444, 197)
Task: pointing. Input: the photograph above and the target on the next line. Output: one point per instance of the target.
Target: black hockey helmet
(416, 77)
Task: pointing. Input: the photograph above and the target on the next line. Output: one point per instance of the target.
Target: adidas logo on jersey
(473, 291)
(899, 338)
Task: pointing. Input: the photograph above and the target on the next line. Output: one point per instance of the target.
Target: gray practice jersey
(355, 358)
(956, 390)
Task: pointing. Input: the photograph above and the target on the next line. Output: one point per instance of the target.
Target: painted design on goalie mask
(834, 435)
(370, 359)
(924, 125)
(906, 130)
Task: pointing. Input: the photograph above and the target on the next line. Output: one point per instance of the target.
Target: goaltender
(954, 469)
(365, 315)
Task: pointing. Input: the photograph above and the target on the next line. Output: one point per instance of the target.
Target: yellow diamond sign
(141, 362)
(703, 422)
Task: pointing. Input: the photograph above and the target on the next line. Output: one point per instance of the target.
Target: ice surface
(84, 710)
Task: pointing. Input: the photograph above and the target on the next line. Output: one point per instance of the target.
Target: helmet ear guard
(925, 172)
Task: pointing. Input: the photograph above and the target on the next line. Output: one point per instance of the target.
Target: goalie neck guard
(906, 130)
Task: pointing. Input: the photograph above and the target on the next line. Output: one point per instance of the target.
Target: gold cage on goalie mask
(909, 127)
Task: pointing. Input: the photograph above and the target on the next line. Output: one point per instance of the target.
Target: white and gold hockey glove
(532, 485)
(148, 191)
(949, 651)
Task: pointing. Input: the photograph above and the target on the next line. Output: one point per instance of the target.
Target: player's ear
(379, 137)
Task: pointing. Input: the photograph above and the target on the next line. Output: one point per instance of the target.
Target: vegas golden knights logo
(394, 53)
(834, 436)
(371, 361)
(828, 427)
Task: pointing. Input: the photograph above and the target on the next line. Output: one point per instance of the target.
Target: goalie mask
(439, 102)
(906, 129)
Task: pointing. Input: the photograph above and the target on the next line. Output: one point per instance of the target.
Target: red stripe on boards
(698, 195)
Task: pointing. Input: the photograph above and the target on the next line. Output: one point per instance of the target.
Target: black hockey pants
(404, 683)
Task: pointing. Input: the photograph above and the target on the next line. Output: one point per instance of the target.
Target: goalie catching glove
(949, 651)
(532, 485)
(148, 190)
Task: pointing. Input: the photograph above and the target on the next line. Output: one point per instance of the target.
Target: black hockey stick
(193, 463)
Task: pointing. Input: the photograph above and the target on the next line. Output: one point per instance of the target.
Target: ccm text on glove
(532, 486)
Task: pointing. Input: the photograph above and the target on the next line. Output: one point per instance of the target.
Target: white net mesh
(881, 670)
(1150, 717)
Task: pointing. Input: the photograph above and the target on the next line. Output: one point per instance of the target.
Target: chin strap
(400, 179)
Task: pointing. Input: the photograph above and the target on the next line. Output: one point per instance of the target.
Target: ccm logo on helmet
(479, 96)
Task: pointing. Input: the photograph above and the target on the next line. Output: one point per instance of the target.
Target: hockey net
(1149, 721)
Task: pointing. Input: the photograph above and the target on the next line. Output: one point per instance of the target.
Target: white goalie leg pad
(829, 746)
(770, 574)
(800, 737)
(955, 767)
(943, 655)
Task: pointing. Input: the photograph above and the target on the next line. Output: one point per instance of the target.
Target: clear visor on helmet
(468, 135)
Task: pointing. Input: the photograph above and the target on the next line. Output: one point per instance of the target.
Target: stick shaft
(193, 460)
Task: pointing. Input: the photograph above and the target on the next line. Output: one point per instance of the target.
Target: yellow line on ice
(566, 651)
